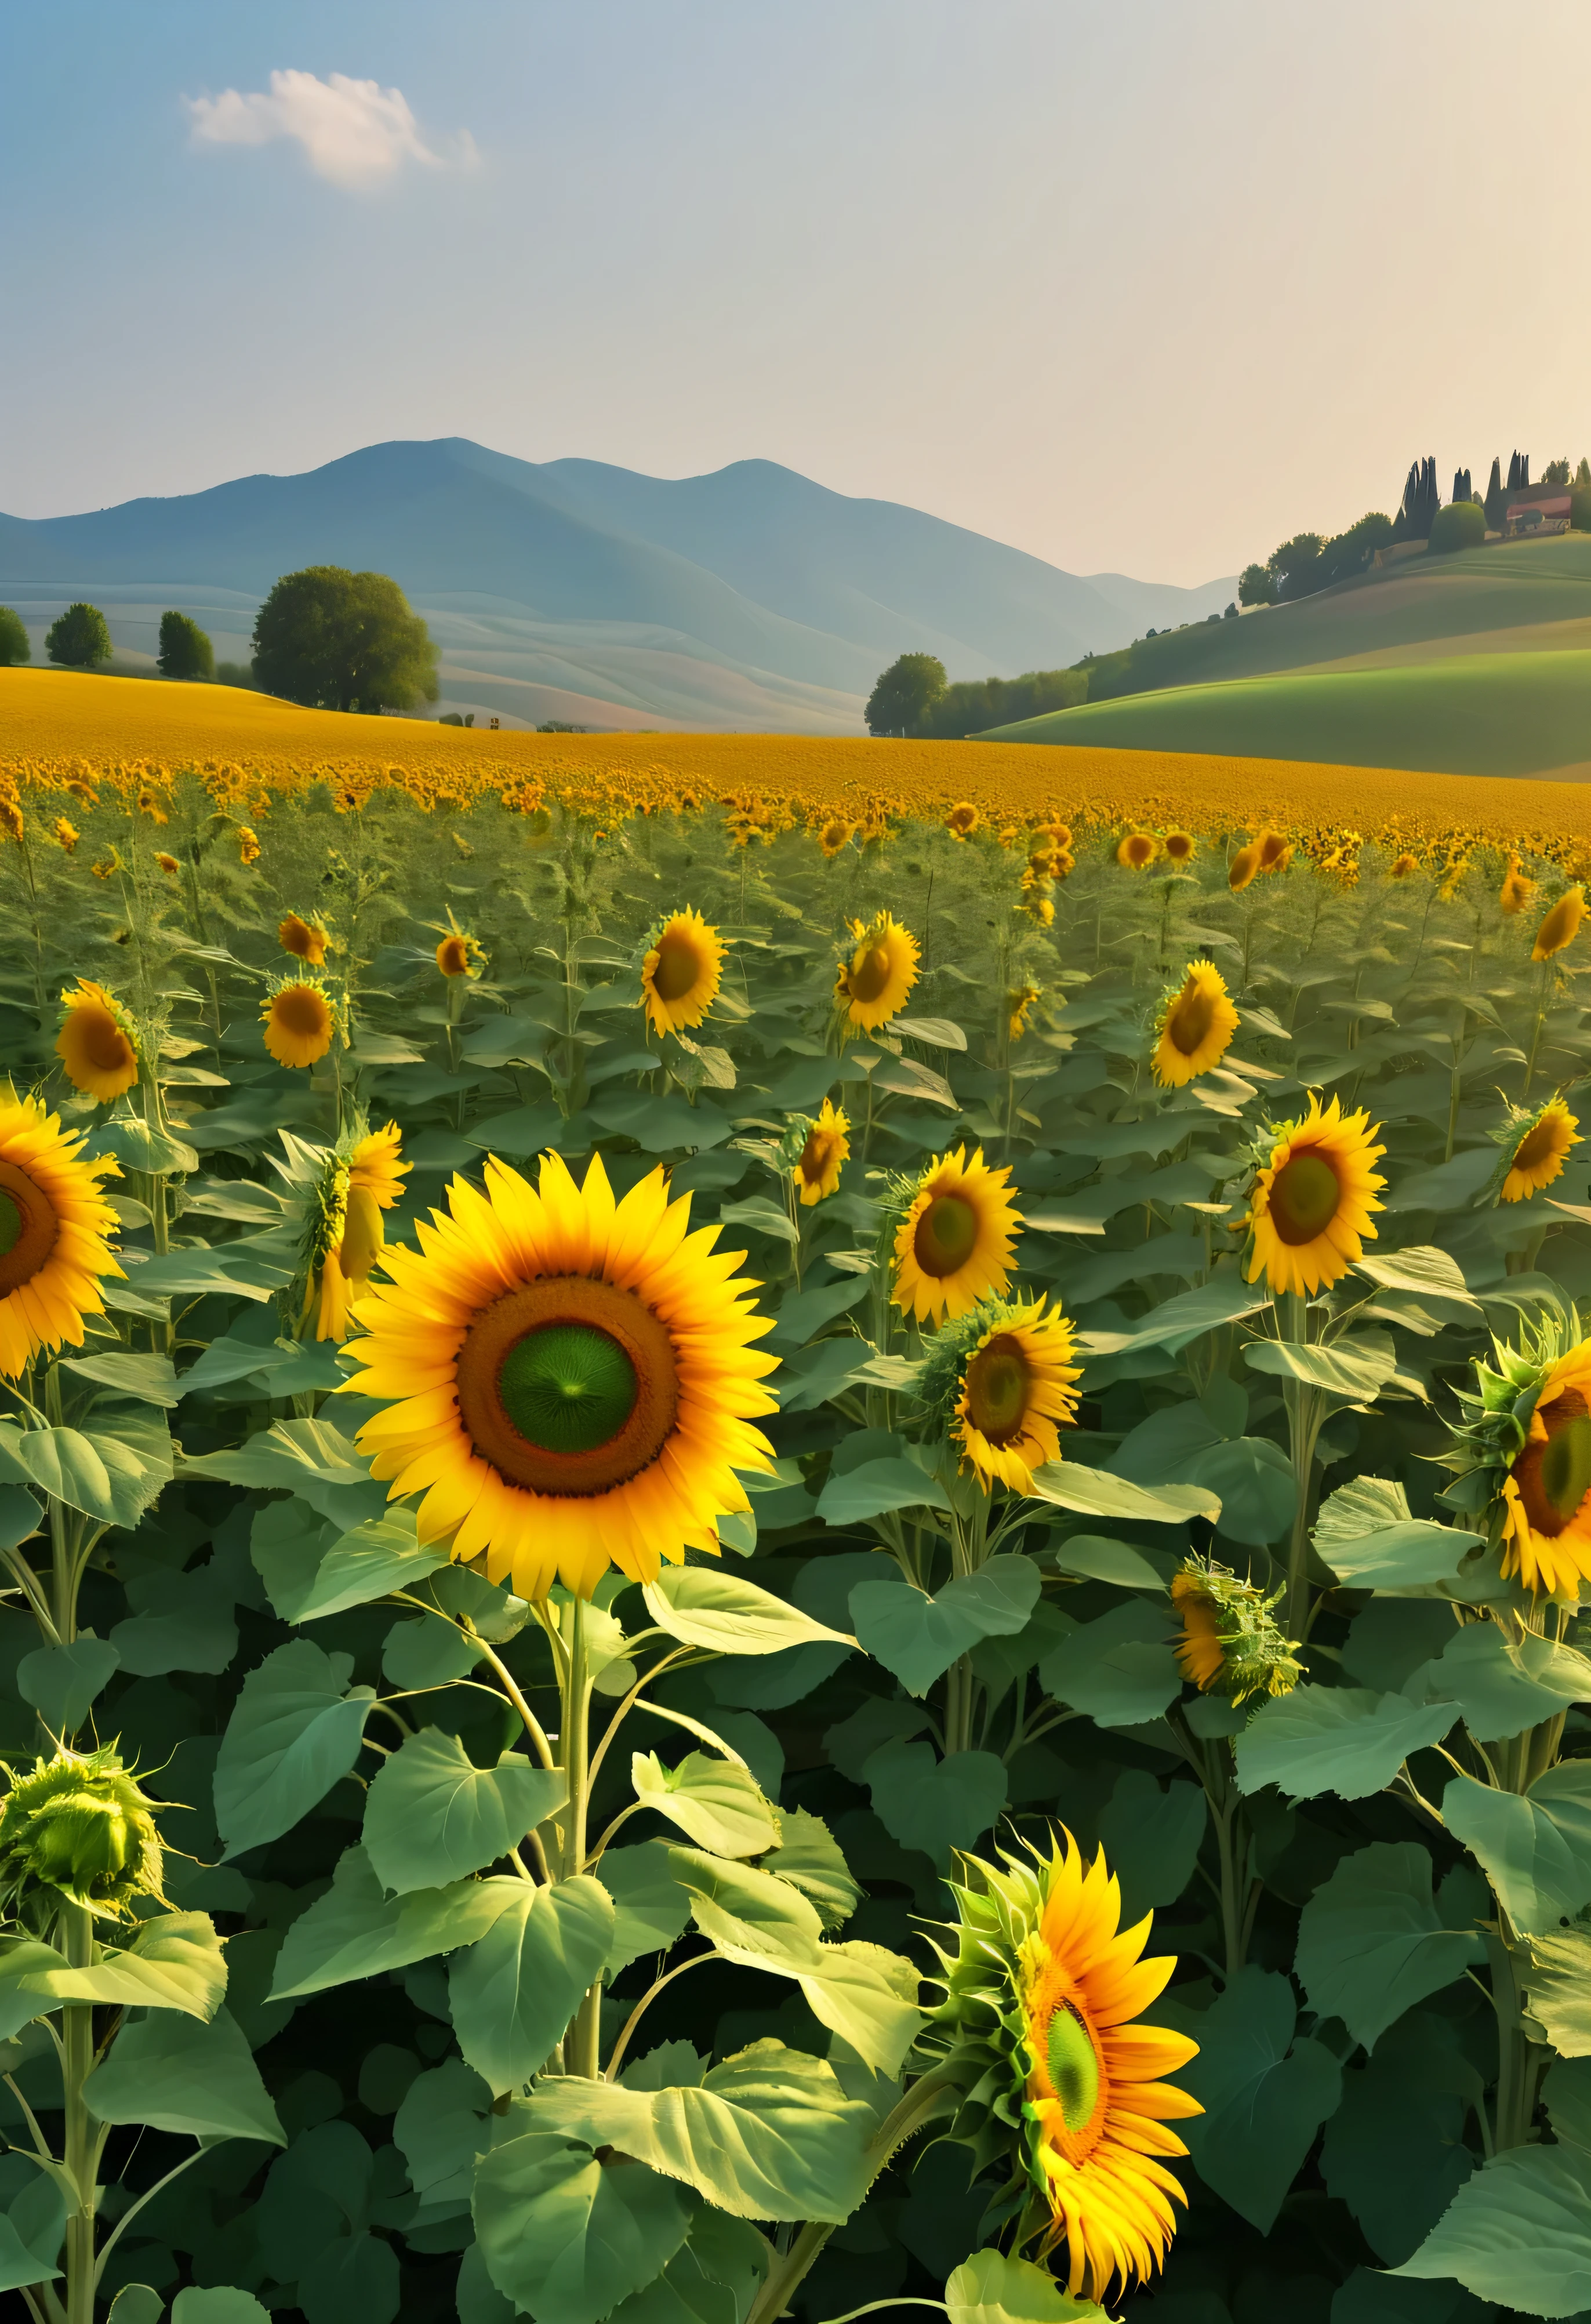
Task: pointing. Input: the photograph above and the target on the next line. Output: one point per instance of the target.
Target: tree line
(326, 638)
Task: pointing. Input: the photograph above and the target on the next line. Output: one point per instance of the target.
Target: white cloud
(353, 132)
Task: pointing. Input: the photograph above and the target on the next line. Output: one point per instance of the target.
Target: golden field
(58, 724)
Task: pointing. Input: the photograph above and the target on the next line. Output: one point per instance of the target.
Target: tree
(1460, 525)
(79, 638)
(1555, 472)
(1583, 477)
(339, 641)
(905, 695)
(235, 673)
(185, 650)
(1291, 566)
(13, 638)
(1496, 500)
(1256, 587)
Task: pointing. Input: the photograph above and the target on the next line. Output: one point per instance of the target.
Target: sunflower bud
(1231, 1643)
(79, 1825)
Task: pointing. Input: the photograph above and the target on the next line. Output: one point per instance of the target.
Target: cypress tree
(1496, 500)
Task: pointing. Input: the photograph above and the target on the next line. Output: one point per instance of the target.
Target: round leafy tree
(339, 641)
(79, 638)
(13, 638)
(186, 651)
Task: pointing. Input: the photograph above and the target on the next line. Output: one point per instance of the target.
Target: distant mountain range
(749, 598)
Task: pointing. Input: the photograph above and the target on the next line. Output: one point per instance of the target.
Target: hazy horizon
(1137, 290)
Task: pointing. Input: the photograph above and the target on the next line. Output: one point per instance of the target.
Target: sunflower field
(769, 1553)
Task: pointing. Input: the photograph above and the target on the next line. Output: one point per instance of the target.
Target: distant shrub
(1462, 524)
(186, 651)
(79, 638)
(13, 638)
(236, 673)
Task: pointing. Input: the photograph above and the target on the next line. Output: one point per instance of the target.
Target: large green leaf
(22, 1960)
(307, 1457)
(382, 1554)
(1500, 1688)
(439, 2129)
(1151, 1838)
(935, 1804)
(810, 1857)
(1335, 1739)
(877, 1487)
(174, 1963)
(515, 1989)
(1254, 1483)
(30, 2229)
(1518, 2232)
(356, 1930)
(297, 1728)
(768, 2134)
(1177, 1322)
(1265, 2096)
(1395, 2150)
(1554, 1971)
(1535, 1847)
(650, 1908)
(719, 1611)
(1120, 1670)
(1366, 1534)
(561, 2229)
(715, 1803)
(990, 2288)
(917, 1638)
(432, 1815)
(178, 2076)
(1349, 1370)
(61, 1681)
(112, 1473)
(150, 1380)
(1096, 1493)
(1373, 1941)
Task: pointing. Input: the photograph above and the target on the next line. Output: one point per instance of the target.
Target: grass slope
(1504, 714)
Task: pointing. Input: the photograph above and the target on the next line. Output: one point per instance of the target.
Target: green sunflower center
(1305, 1197)
(1565, 1473)
(947, 1233)
(11, 1223)
(1074, 2069)
(568, 1387)
(870, 974)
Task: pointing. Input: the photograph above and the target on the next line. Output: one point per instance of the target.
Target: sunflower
(1180, 846)
(953, 1245)
(571, 1379)
(682, 972)
(1041, 2031)
(167, 863)
(827, 1147)
(1522, 1453)
(1275, 853)
(1561, 925)
(1516, 890)
(962, 820)
(97, 1044)
(66, 835)
(1019, 1007)
(1138, 849)
(459, 953)
(834, 835)
(1311, 1203)
(1404, 867)
(305, 939)
(54, 1221)
(1059, 834)
(300, 1019)
(1244, 868)
(1231, 1643)
(248, 845)
(872, 986)
(1196, 1024)
(350, 1234)
(1541, 1145)
(1017, 1384)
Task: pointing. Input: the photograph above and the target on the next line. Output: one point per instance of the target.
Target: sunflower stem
(76, 1929)
(1305, 1414)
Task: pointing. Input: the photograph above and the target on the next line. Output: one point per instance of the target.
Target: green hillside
(1503, 713)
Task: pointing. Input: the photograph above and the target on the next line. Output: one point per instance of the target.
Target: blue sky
(1140, 286)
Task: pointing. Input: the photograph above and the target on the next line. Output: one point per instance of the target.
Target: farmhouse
(1536, 511)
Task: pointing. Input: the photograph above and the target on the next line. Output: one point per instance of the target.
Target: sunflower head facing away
(1276, 850)
(97, 1044)
(1404, 867)
(1060, 2082)
(54, 1228)
(1561, 925)
(1230, 1642)
(871, 986)
(1516, 890)
(570, 1381)
(1310, 1207)
(1522, 1452)
(300, 1019)
(681, 972)
(305, 939)
(952, 1247)
(1019, 1007)
(1536, 1145)
(356, 1184)
(825, 1150)
(1195, 1026)
(1000, 1382)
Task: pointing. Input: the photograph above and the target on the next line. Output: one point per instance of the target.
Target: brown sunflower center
(453, 959)
(300, 1009)
(678, 968)
(947, 1233)
(996, 1389)
(28, 1227)
(870, 973)
(569, 1386)
(1074, 2067)
(104, 1044)
(1536, 1145)
(1305, 1194)
(1191, 1020)
(816, 1155)
(1554, 1476)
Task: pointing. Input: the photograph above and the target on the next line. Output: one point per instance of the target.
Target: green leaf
(1357, 1373)
(1265, 2096)
(991, 2289)
(354, 2275)
(559, 2228)
(439, 2129)
(1500, 1688)
(61, 1682)
(810, 1858)
(181, 1620)
(1151, 1840)
(153, 1379)
(1554, 1970)
(356, 1930)
(1177, 1322)
(1424, 1268)
(705, 1607)
(650, 1908)
(296, 1729)
(1253, 1480)
(19, 1515)
(140, 2303)
(768, 2134)
(1395, 2150)
(215, 2304)
(516, 1988)
(31, 2230)
(917, 1638)
(934, 1804)
(1366, 1537)
(22, 1959)
(1534, 1848)
(877, 1487)
(1097, 1558)
(1518, 2232)
(1096, 1493)
(1121, 1670)
(432, 1815)
(381, 1555)
(1335, 1739)
(111, 1474)
(178, 2075)
(714, 1803)
(174, 1963)
(1373, 1939)
(307, 1457)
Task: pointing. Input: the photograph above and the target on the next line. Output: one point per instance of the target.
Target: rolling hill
(749, 597)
